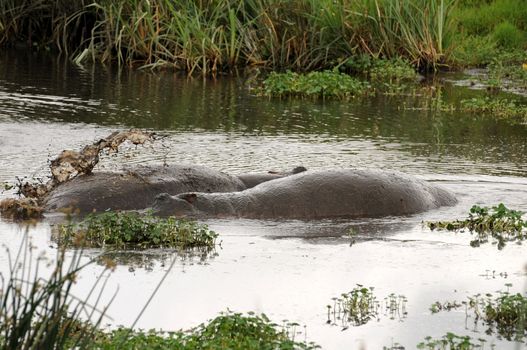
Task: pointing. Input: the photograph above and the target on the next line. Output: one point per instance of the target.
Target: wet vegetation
(360, 305)
(503, 312)
(130, 229)
(452, 341)
(38, 313)
(498, 223)
(498, 107)
(227, 331)
(314, 84)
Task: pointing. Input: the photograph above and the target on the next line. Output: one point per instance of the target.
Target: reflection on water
(287, 269)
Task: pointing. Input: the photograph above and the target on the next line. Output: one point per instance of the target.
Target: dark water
(285, 269)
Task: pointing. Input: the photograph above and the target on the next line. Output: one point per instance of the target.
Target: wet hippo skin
(137, 188)
(345, 193)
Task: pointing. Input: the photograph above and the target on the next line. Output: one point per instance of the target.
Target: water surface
(287, 269)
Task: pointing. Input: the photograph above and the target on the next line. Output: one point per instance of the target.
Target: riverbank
(303, 35)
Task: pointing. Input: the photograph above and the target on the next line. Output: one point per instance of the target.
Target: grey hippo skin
(347, 193)
(137, 188)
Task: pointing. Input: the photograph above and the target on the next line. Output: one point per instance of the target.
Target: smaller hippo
(345, 193)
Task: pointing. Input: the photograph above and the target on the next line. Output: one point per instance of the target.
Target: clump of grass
(498, 222)
(227, 331)
(506, 312)
(38, 313)
(508, 36)
(503, 312)
(360, 305)
(498, 107)
(451, 341)
(394, 71)
(314, 84)
(125, 229)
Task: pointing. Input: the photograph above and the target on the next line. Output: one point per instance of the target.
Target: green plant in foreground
(450, 341)
(38, 313)
(314, 84)
(229, 330)
(360, 305)
(122, 229)
(499, 222)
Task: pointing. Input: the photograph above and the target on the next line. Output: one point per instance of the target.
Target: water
(287, 269)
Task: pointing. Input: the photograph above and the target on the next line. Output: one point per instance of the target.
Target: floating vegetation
(131, 229)
(504, 312)
(360, 305)
(445, 306)
(392, 75)
(499, 107)
(227, 331)
(314, 84)
(498, 222)
(452, 341)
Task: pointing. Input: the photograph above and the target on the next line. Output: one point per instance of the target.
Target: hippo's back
(136, 188)
(342, 193)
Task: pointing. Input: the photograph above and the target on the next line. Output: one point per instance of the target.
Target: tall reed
(219, 35)
(37, 313)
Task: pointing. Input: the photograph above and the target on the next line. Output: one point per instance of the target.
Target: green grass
(130, 229)
(497, 107)
(498, 223)
(314, 84)
(220, 35)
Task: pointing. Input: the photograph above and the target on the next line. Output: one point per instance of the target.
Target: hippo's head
(178, 206)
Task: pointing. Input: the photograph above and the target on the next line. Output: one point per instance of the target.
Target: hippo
(136, 188)
(324, 194)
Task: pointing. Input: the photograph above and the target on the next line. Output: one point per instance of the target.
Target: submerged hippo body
(138, 187)
(346, 193)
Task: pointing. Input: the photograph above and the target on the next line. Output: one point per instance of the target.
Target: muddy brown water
(286, 269)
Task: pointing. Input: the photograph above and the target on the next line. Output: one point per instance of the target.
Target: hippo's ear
(189, 197)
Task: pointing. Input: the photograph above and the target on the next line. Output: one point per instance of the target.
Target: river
(286, 269)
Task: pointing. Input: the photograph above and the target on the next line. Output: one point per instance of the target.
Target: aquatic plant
(229, 330)
(360, 305)
(122, 229)
(314, 84)
(497, 107)
(504, 312)
(451, 341)
(444, 306)
(498, 222)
